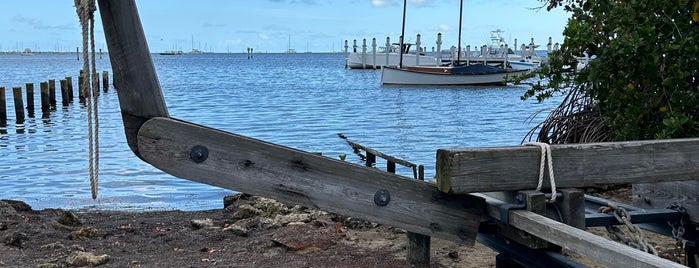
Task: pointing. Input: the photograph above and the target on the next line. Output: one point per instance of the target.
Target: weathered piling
(69, 81)
(64, 92)
(45, 100)
(105, 80)
(52, 92)
(3, 108)
(96, 81)
(30, 99)
(19, 104)
(81, 77)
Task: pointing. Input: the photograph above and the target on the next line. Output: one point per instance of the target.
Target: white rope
(89, 88)
(545, 157)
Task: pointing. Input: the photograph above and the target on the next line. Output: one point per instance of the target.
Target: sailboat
(473, 74)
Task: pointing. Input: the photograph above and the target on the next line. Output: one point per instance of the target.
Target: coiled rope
(545, 157)
(86, 14)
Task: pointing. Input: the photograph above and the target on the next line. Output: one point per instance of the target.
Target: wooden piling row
(47, 97)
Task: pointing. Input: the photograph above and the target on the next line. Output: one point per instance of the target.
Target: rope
(86, 10)
(545, 157)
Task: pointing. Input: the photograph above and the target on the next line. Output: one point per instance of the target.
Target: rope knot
(545, 157)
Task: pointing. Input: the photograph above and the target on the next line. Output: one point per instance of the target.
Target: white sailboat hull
(367, 60)
(441, 76)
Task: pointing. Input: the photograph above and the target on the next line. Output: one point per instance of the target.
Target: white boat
(476, 74)
(472, 74)
(27, 52)
(371, 60)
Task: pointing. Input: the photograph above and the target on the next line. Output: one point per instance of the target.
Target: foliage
(642, 77)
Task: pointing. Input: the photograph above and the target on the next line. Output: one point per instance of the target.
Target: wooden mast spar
(198, 153)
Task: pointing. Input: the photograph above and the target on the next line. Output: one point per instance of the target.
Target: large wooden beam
(256, 167)
(601, 250)
(575, 165)
(135, 80)
(596, 248)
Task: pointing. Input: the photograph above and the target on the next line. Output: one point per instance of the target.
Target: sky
(277, 25)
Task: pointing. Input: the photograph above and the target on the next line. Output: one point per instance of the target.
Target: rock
(68, 218)
(48, 265)
(205, 223)
(246, 211)
(237, 229)
(79, 259)
(232, 199)
(53, 246)
(16, 239)
(86, 232)
(7, 211)
(302, 237)
(18, 205)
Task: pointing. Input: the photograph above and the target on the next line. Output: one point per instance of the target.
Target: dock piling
(19, 104)
(30, 99)
(3, 108)
(69, 82)
(64, 92)
(52, 93)
(45, 100)
(105, 80)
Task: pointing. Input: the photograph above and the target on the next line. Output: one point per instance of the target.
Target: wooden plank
(603, 251)
(664, 194)
(288, 175)
(575, 165)
(140, 97)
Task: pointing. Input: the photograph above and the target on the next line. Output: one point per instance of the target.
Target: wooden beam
(256, 167)
(665, 194)
(575, 165)
(140, 97)
(596, 248)
(601, 250)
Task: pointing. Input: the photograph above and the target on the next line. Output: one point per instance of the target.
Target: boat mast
(402, 34)
(461, 12)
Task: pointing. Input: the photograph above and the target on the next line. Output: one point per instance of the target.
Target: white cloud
(382, 3)
(264, 37)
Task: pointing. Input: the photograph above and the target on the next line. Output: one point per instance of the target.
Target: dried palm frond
(575, 120)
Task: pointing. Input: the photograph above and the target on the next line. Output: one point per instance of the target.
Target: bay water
(301, 100)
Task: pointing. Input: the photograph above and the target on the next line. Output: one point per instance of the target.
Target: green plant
(642, 76)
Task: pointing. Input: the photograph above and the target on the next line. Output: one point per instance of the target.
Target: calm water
(297, 100)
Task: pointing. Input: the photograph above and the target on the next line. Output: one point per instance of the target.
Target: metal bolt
(382, 197)
(198, 154)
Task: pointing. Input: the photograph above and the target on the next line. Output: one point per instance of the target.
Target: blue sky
(268, 25)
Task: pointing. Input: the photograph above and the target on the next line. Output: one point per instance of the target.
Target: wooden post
(3, 108)
(52, 92)
(30, 99)
(418, 244)
(19, 104)
(96, 80)
(64, 92)
(370, 159)
(81, 78)
(418, 250)
(105, 80)
(45, 103)
(391, 166)
(140, 97)
(69, 80)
